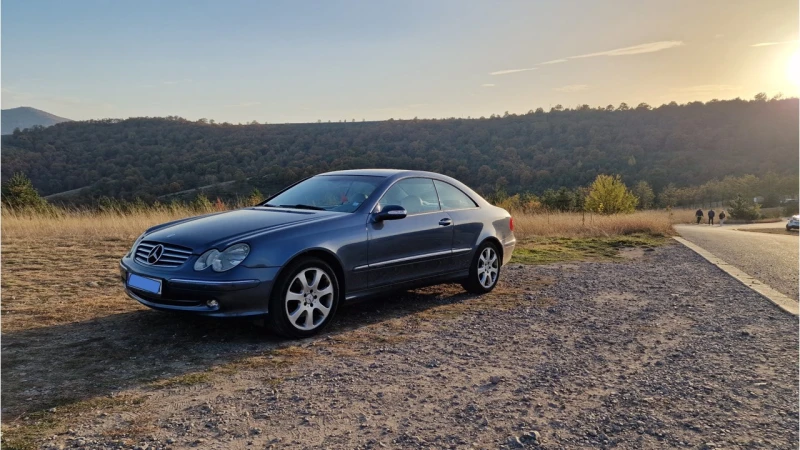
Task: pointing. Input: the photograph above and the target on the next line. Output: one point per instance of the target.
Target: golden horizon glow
(793, 68)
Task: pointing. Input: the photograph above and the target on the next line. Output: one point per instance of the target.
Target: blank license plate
(144, 283)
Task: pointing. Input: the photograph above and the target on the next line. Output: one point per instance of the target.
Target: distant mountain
(26, 117)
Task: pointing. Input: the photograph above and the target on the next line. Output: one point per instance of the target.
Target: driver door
(415, 247)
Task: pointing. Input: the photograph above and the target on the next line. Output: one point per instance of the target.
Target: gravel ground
(769, 258)
(663, 350)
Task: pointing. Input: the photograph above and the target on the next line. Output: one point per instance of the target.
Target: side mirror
(391, 212)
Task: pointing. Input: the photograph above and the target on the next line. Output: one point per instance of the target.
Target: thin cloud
(707, 88)
(243, 105)
(624, 51)
(555, 61)
(506, 72)
(634, 50)
(487, 85)
(717, 36)
(767, 44)
(572, 88)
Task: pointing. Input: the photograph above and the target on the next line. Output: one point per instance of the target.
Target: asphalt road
(769, 258)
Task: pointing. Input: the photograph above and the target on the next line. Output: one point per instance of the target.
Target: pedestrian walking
(721, 218)
(711, 215)
(699, 215)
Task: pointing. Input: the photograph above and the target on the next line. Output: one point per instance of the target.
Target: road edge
(778, 299)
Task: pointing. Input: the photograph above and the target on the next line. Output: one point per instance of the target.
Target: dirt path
(625, 355)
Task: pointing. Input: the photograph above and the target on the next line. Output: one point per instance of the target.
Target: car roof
(368, 172)
(382, 172)
(394, 174)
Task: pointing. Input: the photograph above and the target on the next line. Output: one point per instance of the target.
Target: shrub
(201, 203)
(742, 209)
(521, 202)
(609, 195)
(645, 194)
(255, 197)
(219, 205)
(19, 193)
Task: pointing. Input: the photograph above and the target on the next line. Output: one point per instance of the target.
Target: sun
(793, 68)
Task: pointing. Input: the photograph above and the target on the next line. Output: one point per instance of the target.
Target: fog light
(212, 303)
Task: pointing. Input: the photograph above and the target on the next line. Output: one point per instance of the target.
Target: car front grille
(171, 256)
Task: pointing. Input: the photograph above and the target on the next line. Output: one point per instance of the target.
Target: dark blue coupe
(331, 238)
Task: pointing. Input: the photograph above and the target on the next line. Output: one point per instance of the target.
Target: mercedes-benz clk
(331, 238)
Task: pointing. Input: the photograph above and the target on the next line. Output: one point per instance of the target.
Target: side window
(452, 197)
(416, 195)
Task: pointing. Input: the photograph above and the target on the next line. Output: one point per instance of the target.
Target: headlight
(136, 243)
(222, 261)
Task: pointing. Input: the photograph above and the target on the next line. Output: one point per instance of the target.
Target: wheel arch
(326, 255)
(498, 245)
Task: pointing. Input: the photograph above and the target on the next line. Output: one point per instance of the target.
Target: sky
(289, 61)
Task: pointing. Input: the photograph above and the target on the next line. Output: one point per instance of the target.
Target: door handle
(445, 222)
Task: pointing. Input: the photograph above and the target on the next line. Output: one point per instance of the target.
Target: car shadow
(62, 364)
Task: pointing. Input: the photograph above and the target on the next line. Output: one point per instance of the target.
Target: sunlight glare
(793, 68)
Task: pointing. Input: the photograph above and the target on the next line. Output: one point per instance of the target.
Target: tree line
(607, 194)
(682, 153)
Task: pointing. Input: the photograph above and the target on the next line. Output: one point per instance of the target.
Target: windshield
(342, 193)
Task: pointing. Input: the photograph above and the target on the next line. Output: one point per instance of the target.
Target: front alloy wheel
(305, 299)
(309, 298)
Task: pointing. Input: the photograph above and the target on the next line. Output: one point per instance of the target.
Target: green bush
(19, 193)
(201, 203)
(609, 195)
(742, 209)
(645, 194)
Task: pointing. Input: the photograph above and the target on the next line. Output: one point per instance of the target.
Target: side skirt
(365, 294)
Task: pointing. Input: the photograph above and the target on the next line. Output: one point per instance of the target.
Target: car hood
(215, 230)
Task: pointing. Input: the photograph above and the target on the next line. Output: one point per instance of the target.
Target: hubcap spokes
(309, 299)
(488, 267)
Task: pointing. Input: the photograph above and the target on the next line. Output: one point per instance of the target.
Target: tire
(301, 304)
(484, 270)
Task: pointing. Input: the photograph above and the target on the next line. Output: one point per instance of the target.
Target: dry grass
(41, 283)
(43, 286)
(566, 224)
(86, 224)
(127, 226)
(55, 262)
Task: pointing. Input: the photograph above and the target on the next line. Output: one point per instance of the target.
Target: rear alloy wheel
(484, 270)
(305, 299)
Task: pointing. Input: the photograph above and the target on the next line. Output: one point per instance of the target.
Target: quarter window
(416, 195)
(451, 197)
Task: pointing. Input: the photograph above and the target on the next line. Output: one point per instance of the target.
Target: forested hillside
(149, 157)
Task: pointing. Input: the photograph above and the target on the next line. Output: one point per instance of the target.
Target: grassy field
(52, 263)
(580, 225)
(71, 335)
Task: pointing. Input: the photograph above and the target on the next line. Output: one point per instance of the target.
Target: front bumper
(248, 295)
